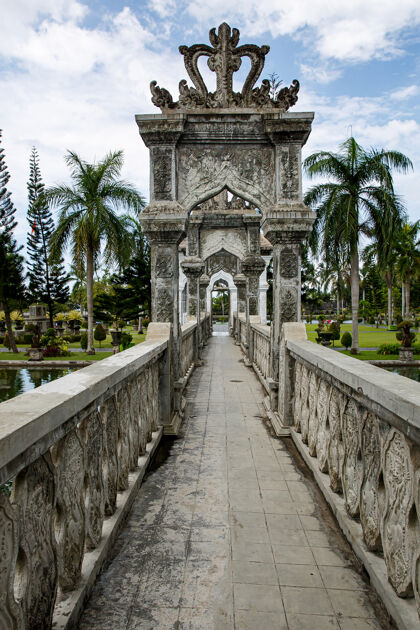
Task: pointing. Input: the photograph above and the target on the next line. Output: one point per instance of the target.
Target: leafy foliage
(346, 340)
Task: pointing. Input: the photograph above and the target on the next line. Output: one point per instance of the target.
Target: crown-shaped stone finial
(224, 58)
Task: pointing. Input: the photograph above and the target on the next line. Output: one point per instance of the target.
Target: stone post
(252, 267)
(263, 288)
(163, 224)
(193, 268)
(240, 282)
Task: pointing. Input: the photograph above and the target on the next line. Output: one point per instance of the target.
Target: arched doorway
(220, 306)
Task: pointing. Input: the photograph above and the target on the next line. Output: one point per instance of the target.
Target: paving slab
(228, 531)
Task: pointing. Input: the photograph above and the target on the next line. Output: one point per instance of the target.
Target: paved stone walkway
(227, 532)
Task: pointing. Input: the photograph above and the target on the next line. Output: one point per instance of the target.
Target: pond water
(409, 372)
(15, 381)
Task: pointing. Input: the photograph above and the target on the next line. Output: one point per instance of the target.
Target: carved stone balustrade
(76, 451)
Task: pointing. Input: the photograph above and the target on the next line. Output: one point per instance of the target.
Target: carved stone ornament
(370, 504)
(323, 436)
(109, 416)
(95, 504)
(289, 264)
(352, 464)
(298, 395)
(288, 305)
(336, 448)
(164, 266)
(164, 305)
(225, 58)
(11, 615)
(162, 173)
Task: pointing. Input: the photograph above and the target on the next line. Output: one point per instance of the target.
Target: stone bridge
(210, 481)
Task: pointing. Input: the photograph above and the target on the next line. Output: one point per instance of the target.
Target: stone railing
(260, 350)
(76, 451)
(362, 424)
(186, 363)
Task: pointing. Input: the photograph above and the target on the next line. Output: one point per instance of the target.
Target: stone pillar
(252, 267)
(286, 275)
(163, 224)
(240, 282)
(204, 283)
(193, 268)
(263, 288)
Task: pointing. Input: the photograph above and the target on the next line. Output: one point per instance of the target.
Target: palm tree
(88, 219)
(359, 200)
(408, 261)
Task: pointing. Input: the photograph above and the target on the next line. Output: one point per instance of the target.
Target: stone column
(193, 268)
(204, 283)
(240, 282)
(263, 288)
(252, 267)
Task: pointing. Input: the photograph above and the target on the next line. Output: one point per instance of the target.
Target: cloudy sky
(73, 73)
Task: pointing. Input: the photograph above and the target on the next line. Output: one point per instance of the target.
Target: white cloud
(406, 92)
(350, 31)
(320, 73)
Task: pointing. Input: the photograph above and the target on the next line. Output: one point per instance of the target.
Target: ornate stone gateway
(244, 142)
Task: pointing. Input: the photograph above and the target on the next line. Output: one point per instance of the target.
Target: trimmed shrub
(389, 348)
(126, 339)
(27, 338)
(346, 340)
(99, 334)
(84, 341)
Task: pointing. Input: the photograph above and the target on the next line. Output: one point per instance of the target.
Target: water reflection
(409, 372)
(15, 381)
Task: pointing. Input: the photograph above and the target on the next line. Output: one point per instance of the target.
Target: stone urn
(35, 354)
(326, 338)
(116, 340)
(406, 354)
(60, 330)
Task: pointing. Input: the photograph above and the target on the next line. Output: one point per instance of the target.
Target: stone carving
(34, 493)
(323, 434)
(416, 558)
(134, 410)
(224, 243)
(11, 615)
(222, 260)
(164, 305)
(224, 58)
(289, 264)
(398, 529)
(141, 382)
(123, 438)
(297, 399)
(310, 420)
(109, 417)
(336, 448)
(370, 500)
(288, 304)
(204, 171)
(164, 266)
(162, 173)
(95, 503)
(69, 461)
(352, 464)
(305, 411)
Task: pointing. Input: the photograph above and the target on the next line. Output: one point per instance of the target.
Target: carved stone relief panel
(69, 461)
(297, 399)
(222, 261)
(164, 305)
(305, 411)
(336, 448)
(92, 429)
(289, 263)
(248, 171)
(164, 266)
(352, 463)
(416, 558)
(310, 426)
(34, 493)
(398, 528)
(323, 436)
(229, 240)
(289, 165)
(134, 432)
(370, 493)
(109, 416)
(288, 304)
(162, 172)
(143, 412)
(123, 438)
(11, 614)
(154, 388)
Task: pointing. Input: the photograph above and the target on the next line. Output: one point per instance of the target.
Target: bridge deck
(229, 531)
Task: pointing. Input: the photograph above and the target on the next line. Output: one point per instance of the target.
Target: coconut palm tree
(88, 219)
(408, 261)
(358, 200)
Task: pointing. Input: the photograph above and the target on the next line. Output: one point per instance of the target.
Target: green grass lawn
(75, 356)
(369, 355)
(368, 337)
(104, 344)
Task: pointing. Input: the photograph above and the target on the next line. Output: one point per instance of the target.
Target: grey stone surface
(205, 547)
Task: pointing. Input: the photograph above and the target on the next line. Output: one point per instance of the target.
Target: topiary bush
(346, 340)
(126, 339)
(84, 341)
(389, 348)
(405, 335)
(99, 334)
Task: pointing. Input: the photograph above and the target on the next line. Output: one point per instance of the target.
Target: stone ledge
(69, 608)
(402, 611)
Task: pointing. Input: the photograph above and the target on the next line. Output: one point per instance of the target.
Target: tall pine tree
(11, 262)
(47, 282)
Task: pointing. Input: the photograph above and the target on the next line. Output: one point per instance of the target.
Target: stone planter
(116, 340)
(60, 330)
(406, 354)
(326, 338)
(35, 354)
